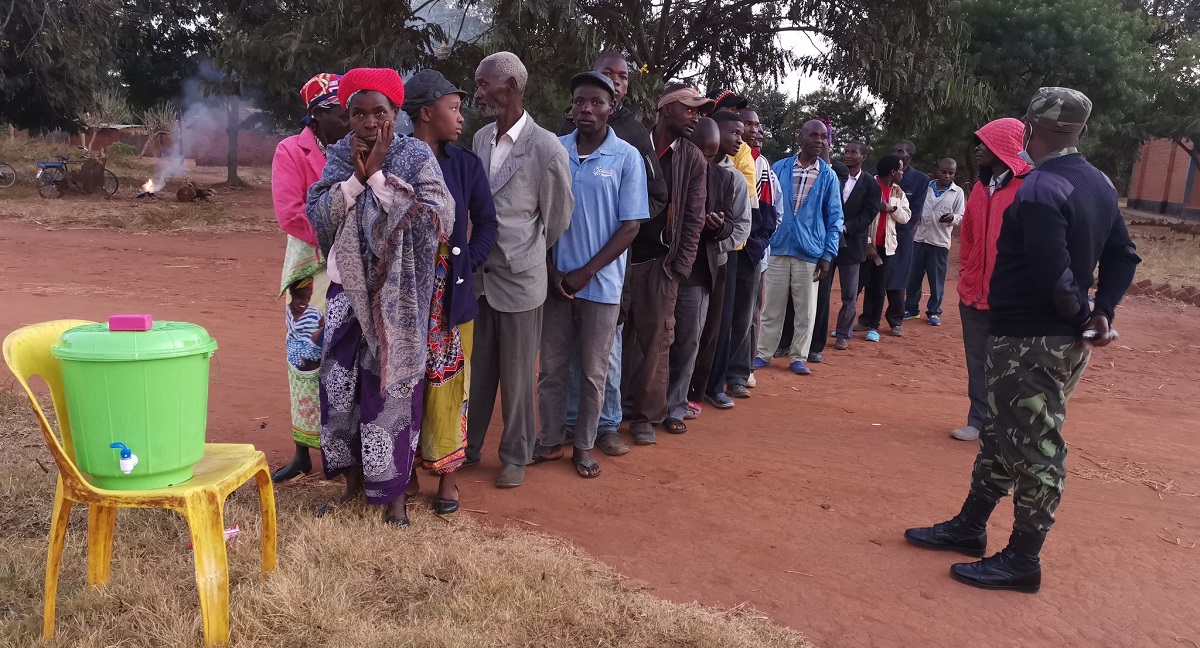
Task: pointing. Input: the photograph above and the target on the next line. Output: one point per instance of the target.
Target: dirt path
(795, 500)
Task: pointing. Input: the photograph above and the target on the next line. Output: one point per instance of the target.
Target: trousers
(504, 359)
(788, 276)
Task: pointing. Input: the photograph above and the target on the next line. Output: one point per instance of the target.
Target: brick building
(1165, 181)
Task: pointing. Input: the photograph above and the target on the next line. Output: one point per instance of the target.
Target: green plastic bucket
(145, 389)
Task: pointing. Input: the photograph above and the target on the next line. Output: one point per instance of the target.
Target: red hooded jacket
(981, 222)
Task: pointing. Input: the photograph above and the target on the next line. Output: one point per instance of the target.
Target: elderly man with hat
(433, 104)
(1063, 224)
(298, 163)
(587, 270)
(661, 257)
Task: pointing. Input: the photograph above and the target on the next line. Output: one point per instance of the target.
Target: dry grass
(1167, 257)
(347, 580)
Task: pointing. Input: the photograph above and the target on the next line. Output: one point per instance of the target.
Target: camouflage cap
(1061, 110)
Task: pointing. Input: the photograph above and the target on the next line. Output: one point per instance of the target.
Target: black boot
(1016, 568)
(300, 463)
(965, 533)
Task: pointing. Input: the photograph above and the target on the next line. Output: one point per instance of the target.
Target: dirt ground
(794, 501)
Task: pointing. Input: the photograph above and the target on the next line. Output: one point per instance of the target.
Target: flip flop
(674, 426)
(589, 470)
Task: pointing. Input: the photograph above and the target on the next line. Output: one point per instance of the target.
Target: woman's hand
(358, 153)
(383, 142)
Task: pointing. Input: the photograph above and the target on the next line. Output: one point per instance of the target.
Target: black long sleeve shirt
(1064, 222)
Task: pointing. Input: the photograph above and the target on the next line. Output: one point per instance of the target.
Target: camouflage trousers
(1029, 381)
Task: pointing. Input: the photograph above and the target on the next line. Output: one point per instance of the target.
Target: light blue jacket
(812, 233)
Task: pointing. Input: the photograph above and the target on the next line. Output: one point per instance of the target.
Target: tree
(108, 108)
(158, 44)
(1173, 112)
(852, 118)
(49, 60)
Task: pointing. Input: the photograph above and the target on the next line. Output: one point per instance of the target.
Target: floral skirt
(443, 441)
(306, 406)
(362, 426)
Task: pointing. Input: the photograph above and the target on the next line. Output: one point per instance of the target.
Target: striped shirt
(803, 178)
(300, 346)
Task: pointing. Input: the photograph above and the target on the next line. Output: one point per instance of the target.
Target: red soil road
(795, 500)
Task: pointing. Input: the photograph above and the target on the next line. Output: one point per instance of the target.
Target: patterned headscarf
(319, 92)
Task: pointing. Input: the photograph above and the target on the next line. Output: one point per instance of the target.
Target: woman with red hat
(298, 163)
(380, 211)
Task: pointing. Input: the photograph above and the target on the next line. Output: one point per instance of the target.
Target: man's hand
(714, 221)
(1104, 333)
(575, 280)
(556, 281)
(821, 271)
(383, 141)
(871, 252)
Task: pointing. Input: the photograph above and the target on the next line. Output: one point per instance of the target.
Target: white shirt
(505, 144)
(850, 182)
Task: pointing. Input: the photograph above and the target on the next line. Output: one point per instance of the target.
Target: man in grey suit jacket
(531, 187)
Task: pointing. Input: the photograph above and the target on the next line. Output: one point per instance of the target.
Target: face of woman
(445, 118)
(368, 110)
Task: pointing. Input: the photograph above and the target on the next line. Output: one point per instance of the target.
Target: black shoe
(1007, 570)
(301, 463)
(952, 535)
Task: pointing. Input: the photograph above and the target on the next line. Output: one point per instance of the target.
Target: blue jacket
(812, 233)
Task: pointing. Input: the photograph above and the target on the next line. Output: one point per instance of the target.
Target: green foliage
(119, 149)
(159, 44)
(49, 53)
(853, 118)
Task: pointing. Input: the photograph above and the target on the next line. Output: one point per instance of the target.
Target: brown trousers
(649, 308)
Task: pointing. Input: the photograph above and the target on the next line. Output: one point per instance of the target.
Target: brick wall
(1165, 180)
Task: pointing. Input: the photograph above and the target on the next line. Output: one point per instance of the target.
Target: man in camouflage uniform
(1063, 223)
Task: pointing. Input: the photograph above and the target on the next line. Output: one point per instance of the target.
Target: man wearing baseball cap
(587, 270)
(661, 258)
(1063, 224)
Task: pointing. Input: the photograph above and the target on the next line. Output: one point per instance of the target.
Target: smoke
(203, 115)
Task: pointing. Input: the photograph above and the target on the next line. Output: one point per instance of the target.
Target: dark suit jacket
(863, 205)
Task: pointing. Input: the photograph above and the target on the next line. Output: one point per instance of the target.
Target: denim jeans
(928, 261)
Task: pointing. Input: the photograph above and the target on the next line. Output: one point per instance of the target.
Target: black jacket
(866, 199)
(629, 128)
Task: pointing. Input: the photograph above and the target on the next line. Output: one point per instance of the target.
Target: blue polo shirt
(609, 187)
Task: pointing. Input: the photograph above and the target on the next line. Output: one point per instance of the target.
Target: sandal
(539, 458)
(674, 426)
(398, 521)
(445, 505)
(588, 470)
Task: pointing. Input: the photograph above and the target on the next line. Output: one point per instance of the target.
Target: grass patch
(344, 580)
(1167, 256)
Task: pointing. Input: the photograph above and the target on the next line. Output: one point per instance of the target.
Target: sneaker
(693, 411)
(935, 320)
(759, 363)
(799, 368)
(833, 334)
(842, 344)
(751, 382)
(912, 315)
(816, 357)
(897, 331)
(738, 391)
(720, 401)
(966, 433)
(872, 335)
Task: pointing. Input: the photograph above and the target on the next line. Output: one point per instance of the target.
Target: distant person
(628, 126)
(660, 258)
(820, 335)
(916, 187)
(944, 206)
(882, 243)
(380, 211)
(1001, 172)
(1064, 229)
(530, 178)
(434, 105)
(298, 163)
(803, 247)
(587, 271)
(862, 200)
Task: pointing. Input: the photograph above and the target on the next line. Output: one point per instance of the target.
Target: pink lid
(130, 323)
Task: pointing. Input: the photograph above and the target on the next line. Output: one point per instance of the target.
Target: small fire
(149, 186)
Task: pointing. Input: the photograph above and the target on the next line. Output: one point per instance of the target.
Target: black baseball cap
(594, 78)
(426, 87)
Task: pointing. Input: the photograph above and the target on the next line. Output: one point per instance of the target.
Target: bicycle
(51, 176)
(8, 175)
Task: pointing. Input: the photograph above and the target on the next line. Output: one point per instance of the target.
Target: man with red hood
(1001, 172)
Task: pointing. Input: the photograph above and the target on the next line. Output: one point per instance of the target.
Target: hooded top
(984, 213)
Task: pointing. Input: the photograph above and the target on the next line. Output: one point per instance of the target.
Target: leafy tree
(1173, 113)
(49, 54)
(852, 118)
(158, 45)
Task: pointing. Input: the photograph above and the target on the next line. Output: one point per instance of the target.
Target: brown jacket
(689, 191)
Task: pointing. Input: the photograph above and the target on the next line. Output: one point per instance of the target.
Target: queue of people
(614, 273)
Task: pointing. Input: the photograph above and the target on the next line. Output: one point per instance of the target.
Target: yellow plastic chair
(200, 500)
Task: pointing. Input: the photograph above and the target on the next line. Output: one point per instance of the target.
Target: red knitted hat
(383, 80)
